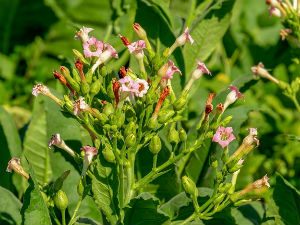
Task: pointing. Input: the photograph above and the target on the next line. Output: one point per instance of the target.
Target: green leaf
(10, 208)
(36, 144)
(34, 210)
(207, 33)
(142, 210)
(10, 145)
(285, 205)
(104, 187)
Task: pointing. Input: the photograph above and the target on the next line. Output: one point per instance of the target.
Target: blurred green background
(37, 37)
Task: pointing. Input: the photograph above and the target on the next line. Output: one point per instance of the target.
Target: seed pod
(179, 104)
(153, 124)
(108, 154)
(130, 140)
(66, 73)
(85, 88)
(224, 188)
(61, 200)
(165, 115)
(80, 188)
(110, 91)
(173, 135)
(130, 128)
(68, 104)
(155, 145)
(95, 87)
(89, 76)
(182, 135)
(108, 109)
(189, 186)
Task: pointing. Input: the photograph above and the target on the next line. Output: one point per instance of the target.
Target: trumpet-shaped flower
(171, 70)
(143, 87)
(223, 136)
(83, 34)
(183, 38)
(136, 47)
(92, 47)
(80, 106)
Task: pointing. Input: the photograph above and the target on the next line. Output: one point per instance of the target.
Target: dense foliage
(143, 139)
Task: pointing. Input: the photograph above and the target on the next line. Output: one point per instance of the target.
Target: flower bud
(182, 135)
(155, 145)
(80, 188)
(95, 87)
(102, 118)
(61, 200)
(130, 140)
(165, 115)
(179, 104)
(76, 75)
(79, 55)
(141, 33)
(163, 70)
(66, 73)
(189, 186)
(173, 135)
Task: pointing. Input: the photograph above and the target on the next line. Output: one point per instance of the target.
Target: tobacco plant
(125, 114)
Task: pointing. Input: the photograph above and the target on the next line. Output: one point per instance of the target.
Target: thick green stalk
(72, 221)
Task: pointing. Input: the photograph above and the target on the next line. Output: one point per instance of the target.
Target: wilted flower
(261, 71)
(57, 141)
(256, 185)
(15, 165)
(233, 96)
(90, 152)
(165, 92)
(42, 89)
(171, 70)
(142, 87)
(284, 33)
(183, 38)
(125, 40)
(116, 87)
(83, 33)
(92, 47)
(223, 136)
(80, 106)
(197, 73)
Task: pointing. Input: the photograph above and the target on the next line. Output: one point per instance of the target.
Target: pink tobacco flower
(201, 66)
(261, 182)
(237, 92)
(113, 52)
(136, 47)
(223, 136)
(183, 38)
(274, 11)
(284, 33)
(143, 87)
(55, 140)
(83, 34)
(80, 106)
(259, 70)
(40, 89)
(128, 85)
(15, 165)
(171, 70)
(92, 47)
(90, 152)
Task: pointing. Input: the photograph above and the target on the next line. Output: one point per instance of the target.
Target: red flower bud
(125, 40)
(116, 87)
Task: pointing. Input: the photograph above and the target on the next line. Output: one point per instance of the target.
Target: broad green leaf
(36, 144)
(10, 208)
(285, 204)
(104, 187)
(34, 210)
(207, 33)
(142, 210)
(10, 145)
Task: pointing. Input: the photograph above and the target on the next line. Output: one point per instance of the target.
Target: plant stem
(63, 215)
(189, 219)
(294, 99)
(75, 211)
(154, 161)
